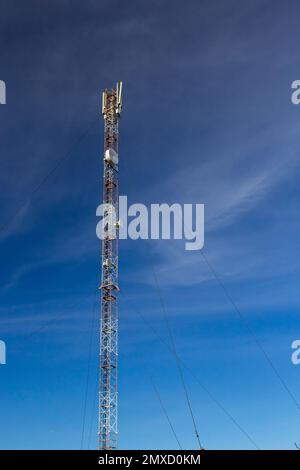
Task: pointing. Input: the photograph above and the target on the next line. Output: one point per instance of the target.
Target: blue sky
(207, 118)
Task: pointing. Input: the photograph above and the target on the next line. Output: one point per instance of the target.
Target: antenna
(108, 383)
(119, 97)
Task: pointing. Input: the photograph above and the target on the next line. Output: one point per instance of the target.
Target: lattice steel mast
(108, 385)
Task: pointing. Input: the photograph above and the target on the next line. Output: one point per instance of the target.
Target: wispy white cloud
(232, 186)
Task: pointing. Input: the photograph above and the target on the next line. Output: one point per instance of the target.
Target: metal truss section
(108, 386)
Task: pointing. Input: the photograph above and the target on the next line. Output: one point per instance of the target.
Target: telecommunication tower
(108, 383)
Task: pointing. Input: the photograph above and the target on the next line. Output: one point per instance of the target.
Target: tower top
(112, 99)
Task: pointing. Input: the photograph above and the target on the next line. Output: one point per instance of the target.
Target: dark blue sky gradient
(207, 119)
